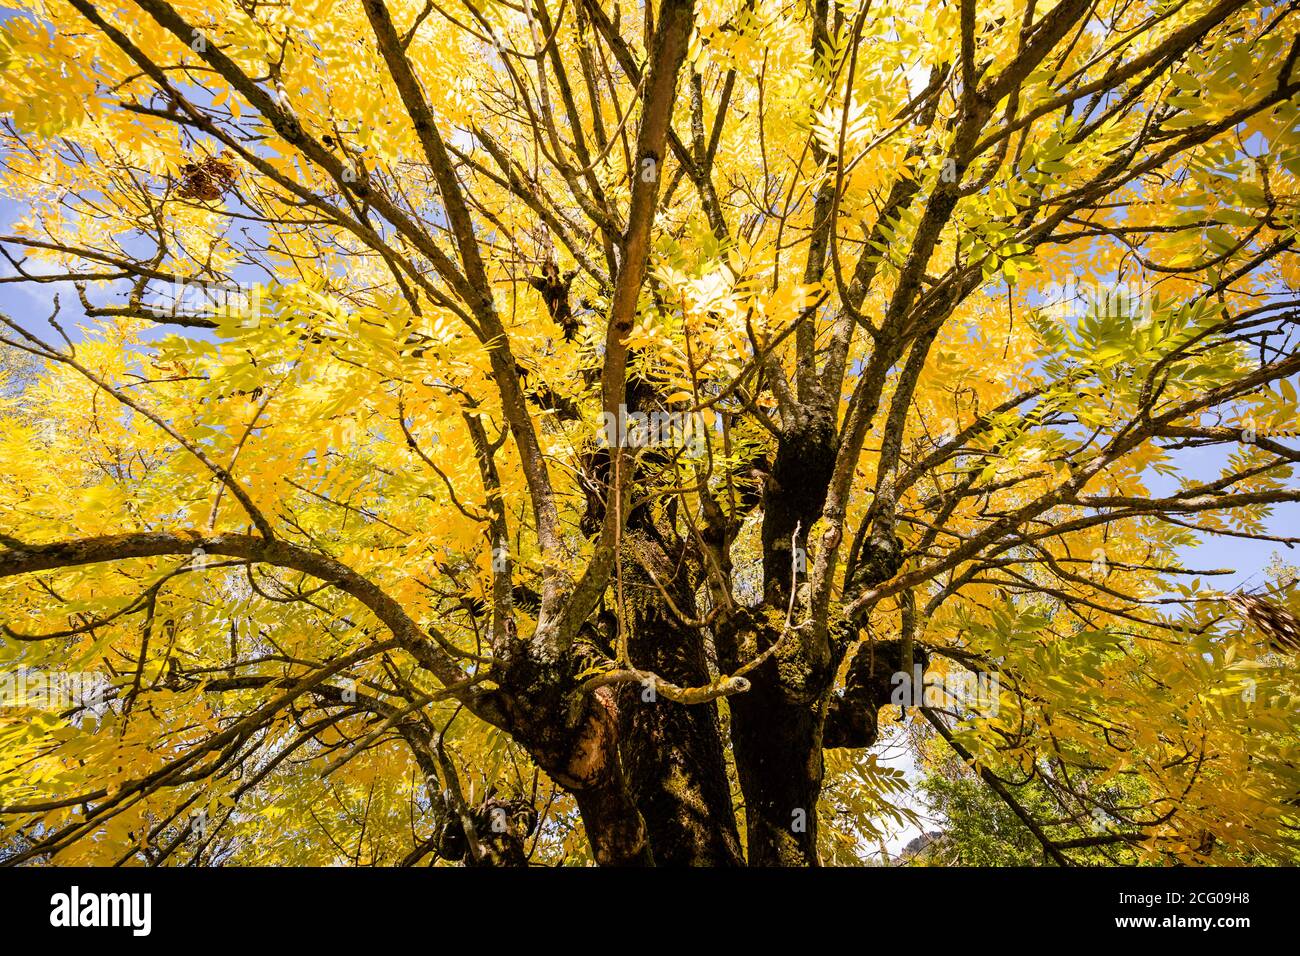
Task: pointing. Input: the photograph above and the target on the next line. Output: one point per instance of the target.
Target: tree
(531, 431)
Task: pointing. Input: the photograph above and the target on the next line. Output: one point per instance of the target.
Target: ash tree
(565, 431)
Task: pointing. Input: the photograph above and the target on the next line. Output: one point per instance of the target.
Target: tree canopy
(568, 431)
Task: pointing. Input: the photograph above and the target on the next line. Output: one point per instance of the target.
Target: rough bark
(776, 731)
(672, 752)
(580, 752)
(776, 727)
(852, 716)
(779, 762)
(795, 493)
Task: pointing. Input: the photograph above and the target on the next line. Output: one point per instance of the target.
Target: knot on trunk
(500, 828)
(851, 717)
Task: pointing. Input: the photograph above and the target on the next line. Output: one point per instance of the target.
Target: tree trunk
(776, 731)
(672, 752)
(580, 753)
(776, 727)
(795, 494)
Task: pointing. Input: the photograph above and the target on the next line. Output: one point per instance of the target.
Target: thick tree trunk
(580, 752)
(776, 732)
(776, 728)
(672, 753)
(614, 828)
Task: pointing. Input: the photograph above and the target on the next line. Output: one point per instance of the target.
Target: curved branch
(149, 544)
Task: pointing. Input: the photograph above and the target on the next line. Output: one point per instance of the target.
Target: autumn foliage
(545, 431)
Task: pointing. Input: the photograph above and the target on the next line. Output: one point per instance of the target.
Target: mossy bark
(672, 752)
